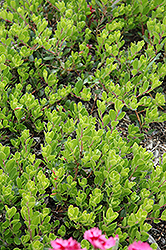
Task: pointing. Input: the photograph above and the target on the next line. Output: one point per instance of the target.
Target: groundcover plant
(70, 71)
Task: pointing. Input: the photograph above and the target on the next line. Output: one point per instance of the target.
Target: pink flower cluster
(98, 241)
(70, 244)
(139, 246)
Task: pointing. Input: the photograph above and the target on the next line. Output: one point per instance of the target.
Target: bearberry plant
(70, 71)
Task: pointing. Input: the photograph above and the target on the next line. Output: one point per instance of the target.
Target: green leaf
(45, 74)
(132, 220)
(112, 115)
(2, 158)
(146, 227)
(79, 85)
(11, 211)
(11, 169)
(106, 119)
(62, 231)
(36, 219)
(25, 238)
(16, 227)
(70, 179)
(134, 72)
(85, 244)
(163, 216)
(121, 115)
(111, 215)
(17, 241)
(135, 64)
(37, 245)
(82, 182)
(42, 26)
(118, 105)
(48, 58)
(73, 212)
(163, 188)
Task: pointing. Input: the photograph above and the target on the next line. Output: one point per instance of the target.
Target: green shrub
(56, 58)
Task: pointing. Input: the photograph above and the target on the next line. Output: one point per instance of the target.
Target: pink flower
(70, 244)
(139, 246)
(95, 237)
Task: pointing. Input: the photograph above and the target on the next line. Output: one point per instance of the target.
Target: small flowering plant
(70, 244)
(98, 241)
(139, 246)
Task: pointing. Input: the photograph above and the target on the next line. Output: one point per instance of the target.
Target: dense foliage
(70, 72)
